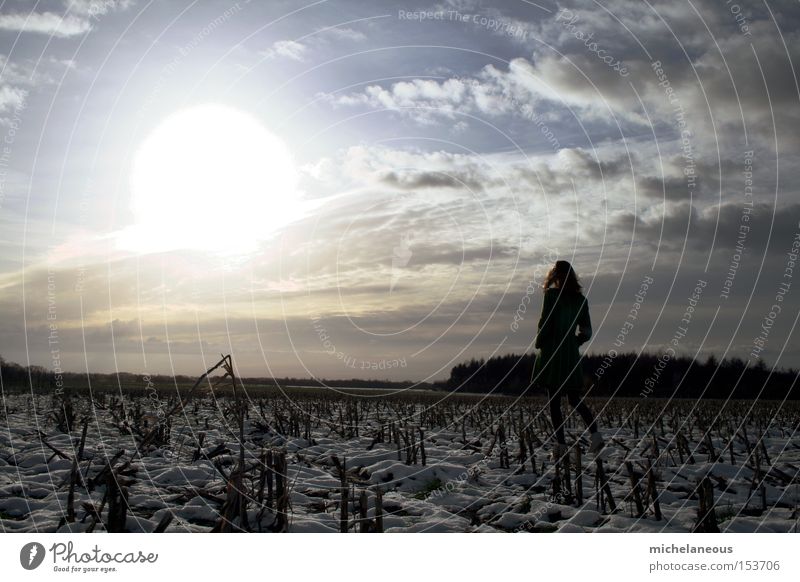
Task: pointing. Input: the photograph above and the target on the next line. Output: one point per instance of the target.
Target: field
(334, 460)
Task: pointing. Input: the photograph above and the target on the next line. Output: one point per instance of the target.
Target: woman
(559, 366)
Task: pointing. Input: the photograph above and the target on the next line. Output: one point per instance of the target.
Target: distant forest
(41, 379)
(625, 375)
(631, 375)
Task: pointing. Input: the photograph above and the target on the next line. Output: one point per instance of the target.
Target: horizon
(341, 189)
(718, 363)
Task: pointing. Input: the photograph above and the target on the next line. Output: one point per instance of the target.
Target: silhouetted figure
(559, 367)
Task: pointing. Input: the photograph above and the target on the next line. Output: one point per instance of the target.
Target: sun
(210, 177)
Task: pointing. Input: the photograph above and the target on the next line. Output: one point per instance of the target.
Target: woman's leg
(556, 416)
(576, 402)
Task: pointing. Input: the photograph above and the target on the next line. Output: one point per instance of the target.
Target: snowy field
(439, 463)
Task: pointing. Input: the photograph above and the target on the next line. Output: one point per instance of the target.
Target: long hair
(562, 276)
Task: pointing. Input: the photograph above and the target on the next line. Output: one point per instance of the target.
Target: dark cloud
(420, 180)
(663, 188)
(446, 254)
(720, 227)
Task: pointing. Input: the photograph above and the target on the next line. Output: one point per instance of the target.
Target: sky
(345, 189)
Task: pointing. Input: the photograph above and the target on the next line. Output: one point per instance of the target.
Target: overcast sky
(444, 155)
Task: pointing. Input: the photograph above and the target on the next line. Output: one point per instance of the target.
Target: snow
(198, 476)
(457, 490)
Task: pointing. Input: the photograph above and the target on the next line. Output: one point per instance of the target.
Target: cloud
(296, 50)
(423, 180)
(77, 20)
(47, 23)
(516, 90)
(11, 98)
(404, 169)
(288, 49)
(445, 254)
(96, 8)
(719, 226)
(20, 78)
(659, 188)
(336, 33)
(578, 81)
(423, 99)
(725, 82)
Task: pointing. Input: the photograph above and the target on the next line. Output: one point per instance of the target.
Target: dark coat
(559, 365)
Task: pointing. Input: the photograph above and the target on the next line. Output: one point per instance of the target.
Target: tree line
(626, 375)
(41, 379)
(635, 375)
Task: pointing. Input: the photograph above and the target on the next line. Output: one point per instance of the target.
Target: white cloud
(76, 21)
(18, 79)
(45, 23)
(426, 99)
(337, 33)
(97, 7)
(288, 49)
(323, 38)
(11, 98)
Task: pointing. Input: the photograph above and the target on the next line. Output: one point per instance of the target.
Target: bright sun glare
(213, 178)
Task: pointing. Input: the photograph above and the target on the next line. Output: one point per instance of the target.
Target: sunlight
(211, 178)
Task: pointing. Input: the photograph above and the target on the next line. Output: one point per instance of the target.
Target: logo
(31, 555)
